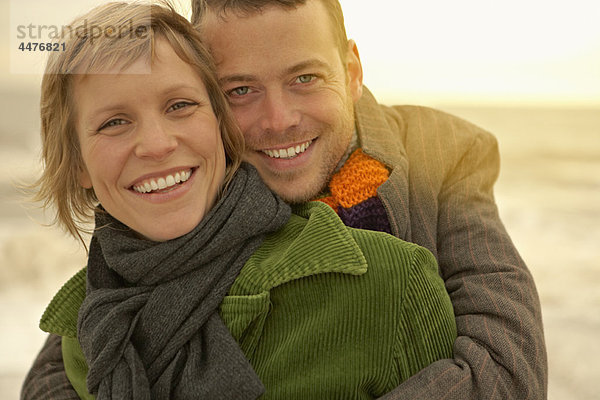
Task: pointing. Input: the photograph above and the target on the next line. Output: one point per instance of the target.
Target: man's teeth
(162, 183)
(289, 152)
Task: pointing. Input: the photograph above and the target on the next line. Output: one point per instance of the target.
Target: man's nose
(155, 140)
(279, 112)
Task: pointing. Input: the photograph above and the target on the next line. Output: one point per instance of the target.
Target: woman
(138, 134)
(199, 283)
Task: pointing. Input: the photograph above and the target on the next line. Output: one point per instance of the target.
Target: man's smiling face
(290, 92)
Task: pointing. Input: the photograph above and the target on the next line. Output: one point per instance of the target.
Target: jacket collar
(314, 241)
(60, 316)
(382, 133)
(380, 137)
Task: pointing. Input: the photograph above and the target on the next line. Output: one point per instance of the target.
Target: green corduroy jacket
(321, 310)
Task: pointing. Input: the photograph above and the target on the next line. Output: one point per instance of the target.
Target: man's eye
(112, 123)
(305, 78)
(240, 91)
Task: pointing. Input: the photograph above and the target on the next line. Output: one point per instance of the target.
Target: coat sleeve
(499, 352)
(47, 379)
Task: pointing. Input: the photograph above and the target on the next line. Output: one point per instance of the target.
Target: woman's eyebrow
(93, 114)
(180, 86)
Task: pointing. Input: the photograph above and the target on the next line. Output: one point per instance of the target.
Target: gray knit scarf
(149, 326)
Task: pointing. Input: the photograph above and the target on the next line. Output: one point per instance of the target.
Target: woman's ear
(354, 70)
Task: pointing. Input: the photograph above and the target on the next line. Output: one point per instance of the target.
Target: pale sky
(524, 51)
(517, 52)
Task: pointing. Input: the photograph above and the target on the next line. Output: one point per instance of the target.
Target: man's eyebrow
(236, 78)
(312, 63)
(301, 66)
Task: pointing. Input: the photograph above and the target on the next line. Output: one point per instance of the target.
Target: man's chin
(295, 191)
(303, 183)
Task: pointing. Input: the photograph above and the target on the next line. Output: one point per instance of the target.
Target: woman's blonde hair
(113, 35)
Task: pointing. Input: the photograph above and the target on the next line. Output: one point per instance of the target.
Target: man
(293, 79)
(295, 85)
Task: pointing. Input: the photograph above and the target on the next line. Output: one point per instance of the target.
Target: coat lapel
(384, 139)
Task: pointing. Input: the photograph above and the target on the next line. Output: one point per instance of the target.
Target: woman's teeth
(289, 152)
(162, 183)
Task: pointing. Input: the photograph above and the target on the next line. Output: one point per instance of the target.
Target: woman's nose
(155, 140)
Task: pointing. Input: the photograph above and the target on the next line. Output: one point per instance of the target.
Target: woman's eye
(305, 78)
(180, 105)
(112, 123)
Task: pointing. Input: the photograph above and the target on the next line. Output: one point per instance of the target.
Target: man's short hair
(245, 8)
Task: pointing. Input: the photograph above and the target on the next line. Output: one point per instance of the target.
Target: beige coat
(440, 195)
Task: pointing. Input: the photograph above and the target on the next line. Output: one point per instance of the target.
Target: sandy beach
(548, 194)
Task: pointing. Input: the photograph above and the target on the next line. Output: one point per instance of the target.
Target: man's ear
(354, 71)
(84, 178)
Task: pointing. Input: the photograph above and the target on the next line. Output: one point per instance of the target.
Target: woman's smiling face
(150, 144)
